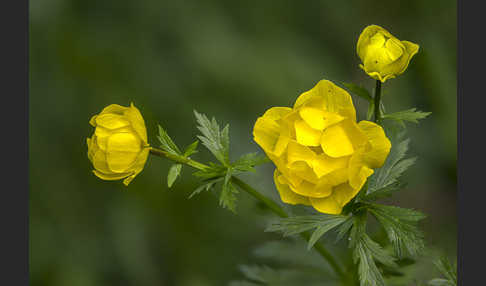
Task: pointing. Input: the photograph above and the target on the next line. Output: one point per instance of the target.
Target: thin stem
(273, 206)
(377, 101)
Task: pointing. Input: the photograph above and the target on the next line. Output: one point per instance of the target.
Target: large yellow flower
(383, 56)
(118, 148)
(322, 156)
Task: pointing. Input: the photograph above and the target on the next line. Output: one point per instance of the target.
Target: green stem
(377, 103)
(273, 206)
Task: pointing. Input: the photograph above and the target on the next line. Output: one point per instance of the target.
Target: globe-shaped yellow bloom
(383, 56)
(118, 148)
(322, 156)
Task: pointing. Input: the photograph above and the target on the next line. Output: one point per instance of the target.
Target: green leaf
(365, 252)
(410, 115)
(216, 140)
(174, 172)
(400, 224)
(393, 168)
(448, 270)
(191, 149)
(205, 187)
(358, 90)
(213, 171)
(383, 192)
(166, 142)
(227, 198)
(321, 223)
(248, 161)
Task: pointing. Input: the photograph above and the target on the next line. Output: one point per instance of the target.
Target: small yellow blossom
(322, 156)
(383, 56)
(118, 148)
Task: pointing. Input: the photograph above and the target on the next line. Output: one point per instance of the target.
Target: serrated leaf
(205, 187)
(213, 138)
(174, 172)
(401, 228)
(393, 167)
(358, 90)
(383, 192)
(410, 115)
(248, 161)
(191, 149)
(448, 270)
(227, 198)
(166, 142)
(322, 229)
(213, 171)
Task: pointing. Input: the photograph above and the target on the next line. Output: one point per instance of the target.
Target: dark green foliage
(410, 115)
(448, 270)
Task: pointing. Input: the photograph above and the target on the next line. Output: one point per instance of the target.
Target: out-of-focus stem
(270, 204)
(377, 103)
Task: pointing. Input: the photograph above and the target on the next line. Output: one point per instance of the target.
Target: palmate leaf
(400, 224)
(216, 140)
(166, 142)
(294, 225)
(207, 186)
(248, 161)
(448, 270)
(410, 115)
(227, 198)
(394, 165)
(365, 252)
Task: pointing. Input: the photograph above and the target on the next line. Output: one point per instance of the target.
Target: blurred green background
(228, 59)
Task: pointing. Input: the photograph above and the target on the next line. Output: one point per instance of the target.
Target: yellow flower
(383, 55)
(322, 156)
(118, 148)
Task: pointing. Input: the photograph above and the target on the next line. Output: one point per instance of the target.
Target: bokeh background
(228, 59)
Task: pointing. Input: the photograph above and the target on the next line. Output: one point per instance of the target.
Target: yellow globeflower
(322, 156)
(383, 56)
(118, 148)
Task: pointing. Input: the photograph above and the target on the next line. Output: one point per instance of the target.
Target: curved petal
(307, 135)
(111, 121)
(133, 115)
(343, 193)
(379, 145)
(342, 139)
(266, 133)
(110, 177)
(123, 150)
(326, 205)
(327, 96)
(324, 164)
(115, 109)
(358, 170)
(287, 195)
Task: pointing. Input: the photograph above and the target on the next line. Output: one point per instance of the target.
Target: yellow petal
(311, 190)
(110, 177)
(114, 108)
(137, 122)
(111, 121)
(307, 135)
(343, 193)
(266, 133)
(324, 164)
(333, 99)
(379, 145)
(275, 113)
(286, 194)
(326, 205)
(394, 48)
(92, 121)
(319, 119)
(99, 162)
(358, 170)
(122, 150)
(297, 152)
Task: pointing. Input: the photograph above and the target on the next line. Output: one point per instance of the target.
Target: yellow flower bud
(118, 148)
(322, 156)
(383, 56)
